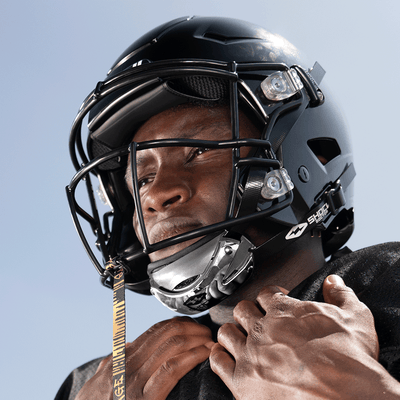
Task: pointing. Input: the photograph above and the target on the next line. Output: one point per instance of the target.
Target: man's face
(184, 188)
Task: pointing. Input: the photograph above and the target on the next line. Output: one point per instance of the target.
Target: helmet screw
(273, 183)
(304, 174)
(228, 250)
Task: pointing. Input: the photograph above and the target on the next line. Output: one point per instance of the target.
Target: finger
(273, 301)
(337, 293)
(246, 313)
(283, 290)
(172, 370)
(222, 364)
(170, 327)
(171, 348)
(154, 338)
(231, 338)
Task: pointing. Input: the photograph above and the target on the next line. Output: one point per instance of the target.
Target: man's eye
(197, 152)
(143, 181)
(201, 150)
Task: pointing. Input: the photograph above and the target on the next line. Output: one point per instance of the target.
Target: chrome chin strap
(200, 276)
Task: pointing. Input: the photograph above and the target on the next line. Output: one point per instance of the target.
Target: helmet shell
(314, 146)
(209, 38)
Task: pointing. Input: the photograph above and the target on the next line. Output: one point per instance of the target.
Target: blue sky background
(54, 313)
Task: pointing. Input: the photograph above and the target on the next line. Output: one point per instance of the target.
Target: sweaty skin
(270, 346)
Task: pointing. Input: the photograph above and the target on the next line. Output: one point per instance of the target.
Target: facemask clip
(281, 85)
(276, 183)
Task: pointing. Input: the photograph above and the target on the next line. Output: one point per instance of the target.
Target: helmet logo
(319, 215)
(296, 231)
(141, 62)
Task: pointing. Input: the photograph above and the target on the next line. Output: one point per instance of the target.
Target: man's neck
(286, 270)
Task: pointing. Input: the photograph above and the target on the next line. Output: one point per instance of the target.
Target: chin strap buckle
(335, 198)
(333, 195)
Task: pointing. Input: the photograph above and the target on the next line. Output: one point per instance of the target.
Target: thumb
(337, 293)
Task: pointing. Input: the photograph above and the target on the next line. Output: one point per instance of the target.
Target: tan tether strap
(119, 333)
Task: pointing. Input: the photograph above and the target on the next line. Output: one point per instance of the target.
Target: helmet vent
(225, 39)
(202, 87)
(325, 149)
(186, 282)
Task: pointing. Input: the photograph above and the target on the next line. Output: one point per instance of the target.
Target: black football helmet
(299, 174)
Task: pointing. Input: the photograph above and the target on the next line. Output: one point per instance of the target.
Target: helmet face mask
(268, 183)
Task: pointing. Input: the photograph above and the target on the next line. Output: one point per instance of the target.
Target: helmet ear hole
(325, 149)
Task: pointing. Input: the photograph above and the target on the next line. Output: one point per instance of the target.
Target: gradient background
(54, 313)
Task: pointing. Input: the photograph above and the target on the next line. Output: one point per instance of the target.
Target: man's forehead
(185, 122)
(217, 126)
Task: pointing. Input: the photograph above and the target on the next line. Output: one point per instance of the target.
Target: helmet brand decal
(296, 231)
(319, 215)
(141, 62)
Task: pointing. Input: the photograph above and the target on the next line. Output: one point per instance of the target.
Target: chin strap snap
(119, 330)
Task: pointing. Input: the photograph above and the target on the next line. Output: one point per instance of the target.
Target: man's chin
(171, 250)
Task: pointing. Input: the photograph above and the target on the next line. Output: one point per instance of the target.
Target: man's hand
(155, 361)
(285, 348)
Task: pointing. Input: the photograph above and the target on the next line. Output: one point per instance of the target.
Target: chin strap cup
(203, 275)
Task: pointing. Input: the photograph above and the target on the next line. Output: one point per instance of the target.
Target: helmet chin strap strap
(286, 237)
(251, 193)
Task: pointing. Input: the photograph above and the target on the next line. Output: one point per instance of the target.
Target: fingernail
(335, 280)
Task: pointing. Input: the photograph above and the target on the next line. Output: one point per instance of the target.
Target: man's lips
(170, 227)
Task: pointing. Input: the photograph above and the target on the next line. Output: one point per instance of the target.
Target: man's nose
(168, 190)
